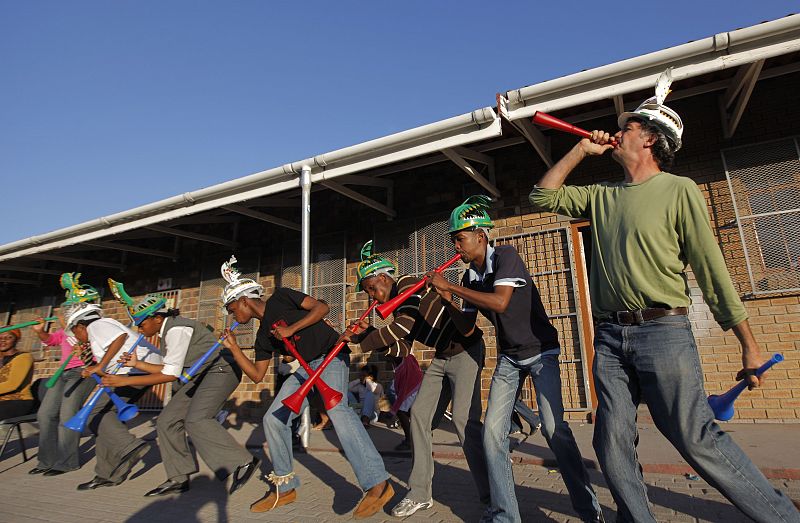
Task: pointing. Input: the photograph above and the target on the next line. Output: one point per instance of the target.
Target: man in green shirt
(645, 230)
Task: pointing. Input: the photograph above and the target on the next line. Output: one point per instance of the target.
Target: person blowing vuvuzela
(498, 284)
(434, 322)
(305, 326)
(646, 229)
(116, 449)
(193, 407)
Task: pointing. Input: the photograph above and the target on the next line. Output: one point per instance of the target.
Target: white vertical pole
(305, 241)
(304, 431)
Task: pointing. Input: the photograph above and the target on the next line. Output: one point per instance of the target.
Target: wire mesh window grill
(326, 274)
(764, 181)
(425, 247)
(548, 255)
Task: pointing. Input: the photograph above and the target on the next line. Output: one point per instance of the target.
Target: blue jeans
(358, 447)
(58, 446)
(367, 405)
(658, 362)
(503, 394)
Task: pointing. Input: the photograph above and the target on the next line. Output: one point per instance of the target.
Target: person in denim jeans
(313, 338)
(644, 232)
(499, 285)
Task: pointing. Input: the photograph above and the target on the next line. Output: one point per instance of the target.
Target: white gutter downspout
(305, 241)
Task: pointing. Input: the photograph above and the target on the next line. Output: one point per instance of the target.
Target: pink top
(407, 379)
(59, 337)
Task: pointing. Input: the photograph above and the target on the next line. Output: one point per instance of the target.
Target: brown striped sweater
(425, 318)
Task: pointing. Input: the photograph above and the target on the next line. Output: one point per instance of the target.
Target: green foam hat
(372, 265)
(473, 213)
(151, 304)
(77, 293)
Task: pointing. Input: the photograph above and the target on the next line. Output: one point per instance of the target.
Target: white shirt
(176, 343)
(360, 389)
(102, 334)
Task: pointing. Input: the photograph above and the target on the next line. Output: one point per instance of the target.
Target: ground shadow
(204, 490)
(346, 495)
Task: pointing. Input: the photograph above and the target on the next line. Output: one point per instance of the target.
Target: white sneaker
(409, 506)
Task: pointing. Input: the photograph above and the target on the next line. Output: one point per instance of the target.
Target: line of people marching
(646, 230)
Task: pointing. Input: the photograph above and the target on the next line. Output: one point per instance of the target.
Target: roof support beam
(465, 166)
(369, 181)
(130, 248)
(737, 95)
(192, 235)
(536, 138)
(350, 193)
(78, 261)
(719, 85)
(19, 281)
(264, 217)
(619, 104)
(31, 270)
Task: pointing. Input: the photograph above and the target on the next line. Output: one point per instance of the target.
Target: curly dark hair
(663, 149)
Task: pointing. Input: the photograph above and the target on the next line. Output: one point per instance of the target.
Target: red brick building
(735, 91)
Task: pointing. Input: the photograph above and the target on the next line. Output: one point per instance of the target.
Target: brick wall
(434, 190)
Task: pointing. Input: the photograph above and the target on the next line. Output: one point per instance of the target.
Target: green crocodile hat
(472, 214)
(372, 265)
(77, 293)
(151, 304)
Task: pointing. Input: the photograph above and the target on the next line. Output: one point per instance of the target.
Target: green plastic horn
(25, 324)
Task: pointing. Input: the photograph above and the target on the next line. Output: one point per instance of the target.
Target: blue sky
(105, 106)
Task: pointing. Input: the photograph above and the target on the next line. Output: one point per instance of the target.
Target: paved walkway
(329, 492)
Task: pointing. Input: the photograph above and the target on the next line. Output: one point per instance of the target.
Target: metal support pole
(305, 233)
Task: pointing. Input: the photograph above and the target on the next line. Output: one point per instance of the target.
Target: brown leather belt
(640, 316)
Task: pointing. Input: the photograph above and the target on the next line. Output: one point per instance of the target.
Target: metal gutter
(463, 129)
(718, 52)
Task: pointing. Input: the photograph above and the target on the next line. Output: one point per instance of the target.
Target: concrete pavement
(329, 491)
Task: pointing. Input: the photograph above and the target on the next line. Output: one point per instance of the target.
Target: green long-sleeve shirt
(643, 237)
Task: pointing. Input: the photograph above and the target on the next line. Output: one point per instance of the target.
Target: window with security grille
(549, 256)
(416, 246)
(326, 273)
(764, 181)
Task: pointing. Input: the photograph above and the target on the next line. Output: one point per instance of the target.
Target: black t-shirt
(523, 330)
(311, 342)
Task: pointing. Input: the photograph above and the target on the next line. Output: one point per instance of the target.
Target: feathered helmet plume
(654, 111)
(472, 214)
(81, 300)
(151, 304)
(77, 293)
(372, 265)
(236, 285)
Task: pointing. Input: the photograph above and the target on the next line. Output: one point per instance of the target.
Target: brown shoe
(376, 498)
(272, 500)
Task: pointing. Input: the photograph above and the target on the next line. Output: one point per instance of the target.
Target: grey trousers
(58, 446)
(192, 410)
(463, 374)
(113, 441)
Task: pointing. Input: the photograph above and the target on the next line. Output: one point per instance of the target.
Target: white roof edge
(721, 51)
(466, 128)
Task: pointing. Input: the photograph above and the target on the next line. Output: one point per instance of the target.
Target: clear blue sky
(105, 106)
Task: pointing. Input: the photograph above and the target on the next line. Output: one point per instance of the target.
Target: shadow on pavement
(204, 490)
(346, 495)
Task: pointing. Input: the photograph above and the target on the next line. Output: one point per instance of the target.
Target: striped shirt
(423, 317)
